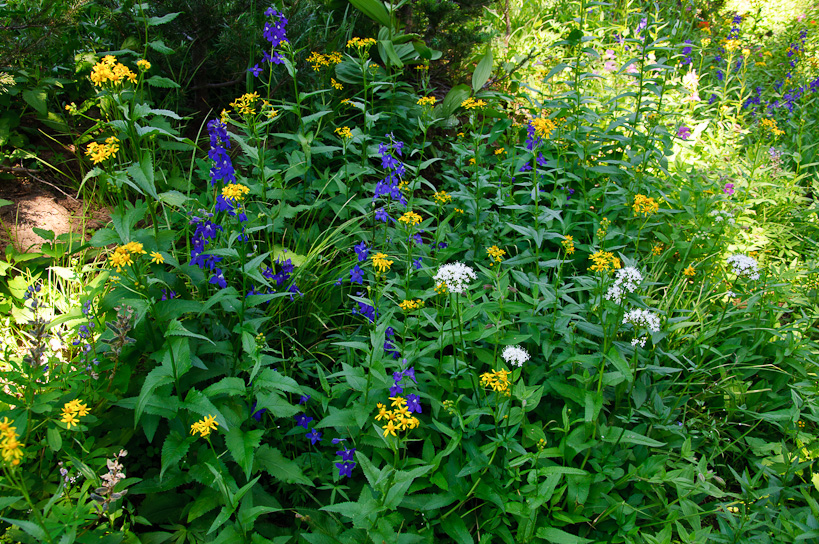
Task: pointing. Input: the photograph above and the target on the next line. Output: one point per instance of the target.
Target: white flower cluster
(627, 280)
(744, 265)
(455, 277)
(639, 342)
(642, 318)
(720, 216)
(515, 355)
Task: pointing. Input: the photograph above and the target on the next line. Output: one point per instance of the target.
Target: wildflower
(413, 404)
(454, 277)
(361, 43)
(303, 399)
(728, 189)
(770, 125)
(108, 70)
(604, 261)
(645, 205)
(361, 251)
(10, 447)
(255, 70)
(303, 420)
(515, 355)
(356, 275)
(143, 65)
(346, 454)
(690, 272)
(426, 101)
(381, 263)
(389, 428)
(381, 215)
(642, 318)
(743, 265)
(314, 436)
(102, 152)
(157, 257)
(410, 218)
(382, 412)
(542, 127)
(470, 103)
(344, 132)
(336, 85)
(657, 249)
(498, 380)
(222, 170)
(204, 426)
(568, 244)
(500, 151)
(496, 253)
(398, 402)
(626, 280)
(604, 228)
(441, 197)
(345, 468)
(683, 132)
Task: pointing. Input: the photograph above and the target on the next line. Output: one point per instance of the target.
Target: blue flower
(362, 251)
(345, 468)
(410, 373)
(346, 455)
(414, 403)
(294, 289)
(396, 390)
(314, 436)
(417, 263)
(303, 420)
(255, 70)
(356, 274)
(381, 215)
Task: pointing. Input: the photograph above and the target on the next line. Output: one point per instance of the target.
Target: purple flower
(294, 289)
(728, 189)
(303, 420)
(683, 132)
(255, 70)
(356, 275)
(314, 436)
(414, 404)
(345, 468)
(336, 441)
(303, 399)
(346, 455)
(396, 390)
(417, 263)
(410, 373)
(362, 251)
(381, 215)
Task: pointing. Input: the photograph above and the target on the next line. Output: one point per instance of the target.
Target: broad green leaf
(198, 403)
(174, 450)
(36, 98)
(558, 536)
(157, 377)
(142, 173)
(375, 10)
(161, 82)
(453, 100)
(242, 445)
(482, 71)
(55, 440)
(156, 21)
(274, 463)
(176, 328)
(226, 386)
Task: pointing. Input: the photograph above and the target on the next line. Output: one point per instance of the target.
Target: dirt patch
(35, 204)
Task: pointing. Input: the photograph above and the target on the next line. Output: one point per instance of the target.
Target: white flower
(642, 318)
(627, 280)
(744, 265)
(455, 277)
(515, 355)
(639, 342)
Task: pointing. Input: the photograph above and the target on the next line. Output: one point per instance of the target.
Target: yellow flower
(134, 248)
(204, 426)
(120, 258)
(246, 103)
(471, 104)
(410, 218)
(361, 43)
(689, 271)
(657, 249)
(604, 261)
(500, 151)
(143, 65)
(12, 449)
(344, 132)
(381, 263)
(235, 192)
(472, 161)
(389, 428)
(496, 253)
(70, 418)
(459, 210)
(770, 125)
(383, 413)
(645, 205)
(157, 257)
(101, 152)
(426, 101)
(408, 305)
(398, 402)
(441, 197)
(5, 427)
(336, 85)
(543, 126)
(568, 244)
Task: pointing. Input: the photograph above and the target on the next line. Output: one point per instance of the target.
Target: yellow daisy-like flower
(690, 272)
(383, 413)
(381, 263)
(411, 218)
(645, 205)
(389, 428)
(459, 210)
(235, 192)
(426, 101)
(204, 426)
(361, 43)
(143, 65)
(471, 104)
(336, 85)
(70, 418)
(120, 258)
(157, 257)
(500, 151)
(408, 305)
(398, 402)
(134, 248)
(604, 261)
(496, 253)
(543, 126)
(568, 244)
(441, 197)
(11, 450)
(6, 428)
(344, 132)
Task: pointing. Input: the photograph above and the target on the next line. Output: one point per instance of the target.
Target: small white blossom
(642, 318)
(626, 280)
(515, 355)
(744, 265)
(639, 342)
(730, 294)
(455, 277)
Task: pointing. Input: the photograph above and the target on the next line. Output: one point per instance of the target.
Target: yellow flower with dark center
(204, 426)
(645, 205)
(604, 261)
(102, 152)
(568, 244)
(381, 263)
(157, 257)
(411, 218)
(235, 192)
(344, 132)
(496, 253)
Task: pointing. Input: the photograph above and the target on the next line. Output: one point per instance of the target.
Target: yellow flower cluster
(426, 101)
(11, 448)
(246, 104)
(645, 205)
(690, 272)
(731, 45)
(411, 218)
(235, 192)
(500, 151)
(72, 412)
(143, 65)
(320, 60)
(459, 210)
(335, 84)
(604, 261)
(770, 125)
(269, 110)
(361, 43)
(470, 103)
(122, 255)
(344, 132)
(109, 70)
(568, 244)
(398, 419)
(204, 426)
(657, 249)
(381, 263)
(543, 126)
(441, 197)
(102, 152)
(408, 305)
(498, 380)
(496, 253)
(604, 227)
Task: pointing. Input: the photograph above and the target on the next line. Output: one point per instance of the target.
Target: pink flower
(728, 189)
(610, 66)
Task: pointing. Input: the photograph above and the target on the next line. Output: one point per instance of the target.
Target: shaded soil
(36, 204)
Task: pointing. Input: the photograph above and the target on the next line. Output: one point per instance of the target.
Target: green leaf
(36, 98)
(242, 445)
(557, 536)
(375, 10)
(142, 173)
(174, 449)
(612, 435)
(277, 404)
(159, 45)
(5, 502)
(453, 99)
(455, 527)
(157, 377)
(226, 386)
(31, 528)
(401, 483)
(156, 21)
(198, 403)
(173, 198)
(620, 363)
(176, 328)
(55, 441)
(389, 48)
(274, 463)
(482, 71)
(162, 82)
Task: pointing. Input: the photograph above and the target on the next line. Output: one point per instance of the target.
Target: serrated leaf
(242, 446)
(198, 403)
(157, 377)
(162, 82)
(226, 386)
(156, 21)
(159, 45)
(176, 328)
(174, 449)
(274, 463)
